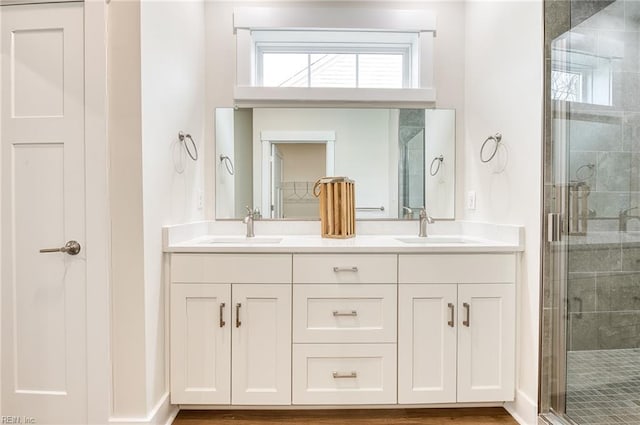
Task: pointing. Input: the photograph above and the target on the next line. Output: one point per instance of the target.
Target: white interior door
(43, 206)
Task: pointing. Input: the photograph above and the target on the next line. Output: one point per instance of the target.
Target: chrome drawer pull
(345, 269)
(222, 322)
(467, 309)
(337, 313)
(338, 375)
(452, 314)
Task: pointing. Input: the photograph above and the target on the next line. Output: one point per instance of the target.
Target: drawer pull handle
(451, 314)
(467, 309)
(337, 313)
(238, 322)
(345, 269)
(222, 322)
(338, 375)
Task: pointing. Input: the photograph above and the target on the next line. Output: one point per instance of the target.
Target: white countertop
(358, 244)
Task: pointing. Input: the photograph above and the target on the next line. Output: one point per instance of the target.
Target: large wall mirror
(400, 159)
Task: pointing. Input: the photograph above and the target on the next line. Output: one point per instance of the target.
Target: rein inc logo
(17, 420)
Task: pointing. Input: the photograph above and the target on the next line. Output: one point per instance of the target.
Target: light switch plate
(471, 200)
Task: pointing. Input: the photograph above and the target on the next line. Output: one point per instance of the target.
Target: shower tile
(581, 292)
(594, 135)
(630, 258)
(614, 172)
(632, 16)
(583, 167)
(608, 204)
(626, 91)
(618, 330)
(594, 260)
(631, 132)
(618, 292)
(622, 47)
(598, 14)
(557, 17)
(583, 331)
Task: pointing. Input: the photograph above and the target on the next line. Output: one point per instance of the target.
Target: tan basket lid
(324, 180)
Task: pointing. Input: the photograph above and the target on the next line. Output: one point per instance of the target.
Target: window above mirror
(326, 55)
(353, 59)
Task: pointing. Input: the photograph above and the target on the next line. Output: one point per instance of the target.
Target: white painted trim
(25, 2)
(269, 137)
(98, 230)
(297, 136)
(523, 409)
(340, 407)
(162, 413)
(309, 96)
(334, 18)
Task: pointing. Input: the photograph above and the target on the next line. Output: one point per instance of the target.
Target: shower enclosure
(590, 359)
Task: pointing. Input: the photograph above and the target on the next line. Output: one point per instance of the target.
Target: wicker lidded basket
(337, 207)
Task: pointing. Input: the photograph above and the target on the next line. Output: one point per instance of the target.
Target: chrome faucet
(424, 219)
(624, 218)
(407, 212)
(248, 220)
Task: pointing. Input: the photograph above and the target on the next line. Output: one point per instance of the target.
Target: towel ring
(592, 171)
(182, 136)
(496, 138)
(227, 163)
(437, 160)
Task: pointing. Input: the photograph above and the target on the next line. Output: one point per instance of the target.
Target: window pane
(566, 86)
(333, 70)
(285, 69)
(380, 71)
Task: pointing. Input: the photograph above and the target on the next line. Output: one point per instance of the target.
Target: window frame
(385, 22)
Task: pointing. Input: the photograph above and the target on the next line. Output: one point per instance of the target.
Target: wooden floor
(476, 416)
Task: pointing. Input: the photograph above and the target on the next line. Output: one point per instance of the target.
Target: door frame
(267, 138)
(98, 241)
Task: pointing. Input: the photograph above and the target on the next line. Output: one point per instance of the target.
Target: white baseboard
(523, 409)
(163, 413)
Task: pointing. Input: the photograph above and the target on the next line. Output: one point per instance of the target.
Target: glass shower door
(591, 354)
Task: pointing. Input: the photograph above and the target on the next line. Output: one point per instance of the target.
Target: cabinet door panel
(261, 344)
(200, 346)
(426, 344)
(486, 345)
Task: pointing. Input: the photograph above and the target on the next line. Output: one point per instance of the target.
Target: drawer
(345, 268)
(344, 313)
(344, 374)
(457, 268)
(231, 268)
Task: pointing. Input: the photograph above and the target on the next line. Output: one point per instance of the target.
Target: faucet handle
(624, 212)
(425, 215)
(249, 210)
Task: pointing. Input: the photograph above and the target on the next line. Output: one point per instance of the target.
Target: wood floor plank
(465, 416)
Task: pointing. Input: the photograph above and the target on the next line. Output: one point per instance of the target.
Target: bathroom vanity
(290, 320)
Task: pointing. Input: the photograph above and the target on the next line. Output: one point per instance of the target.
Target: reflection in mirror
(270, 158)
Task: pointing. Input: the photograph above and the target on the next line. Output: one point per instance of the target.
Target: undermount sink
(240, 240)
(430, 240)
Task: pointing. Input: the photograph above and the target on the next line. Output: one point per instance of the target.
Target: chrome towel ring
(227, 163)
(591, 167)
(193, 151)
(438, 161)
(497, 138)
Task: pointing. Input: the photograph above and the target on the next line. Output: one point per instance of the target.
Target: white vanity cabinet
(231, 329)
(456, 340)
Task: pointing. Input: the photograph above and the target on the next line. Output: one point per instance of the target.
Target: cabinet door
(261, 344)
(486, 342)
(200, 344)
(427, 343)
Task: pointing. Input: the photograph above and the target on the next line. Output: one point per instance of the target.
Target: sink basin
(240, 240)
(432, 240)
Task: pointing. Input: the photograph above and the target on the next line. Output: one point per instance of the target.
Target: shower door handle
(554, 227)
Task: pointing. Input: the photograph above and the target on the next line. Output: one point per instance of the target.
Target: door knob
(71, 248)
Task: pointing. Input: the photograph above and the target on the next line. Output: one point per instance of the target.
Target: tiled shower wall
(411, 167)
(603, 288)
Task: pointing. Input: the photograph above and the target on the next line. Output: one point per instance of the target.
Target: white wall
(448, 62)
(172, 68)
(156, 88)
(503, 87)
(440, 136)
